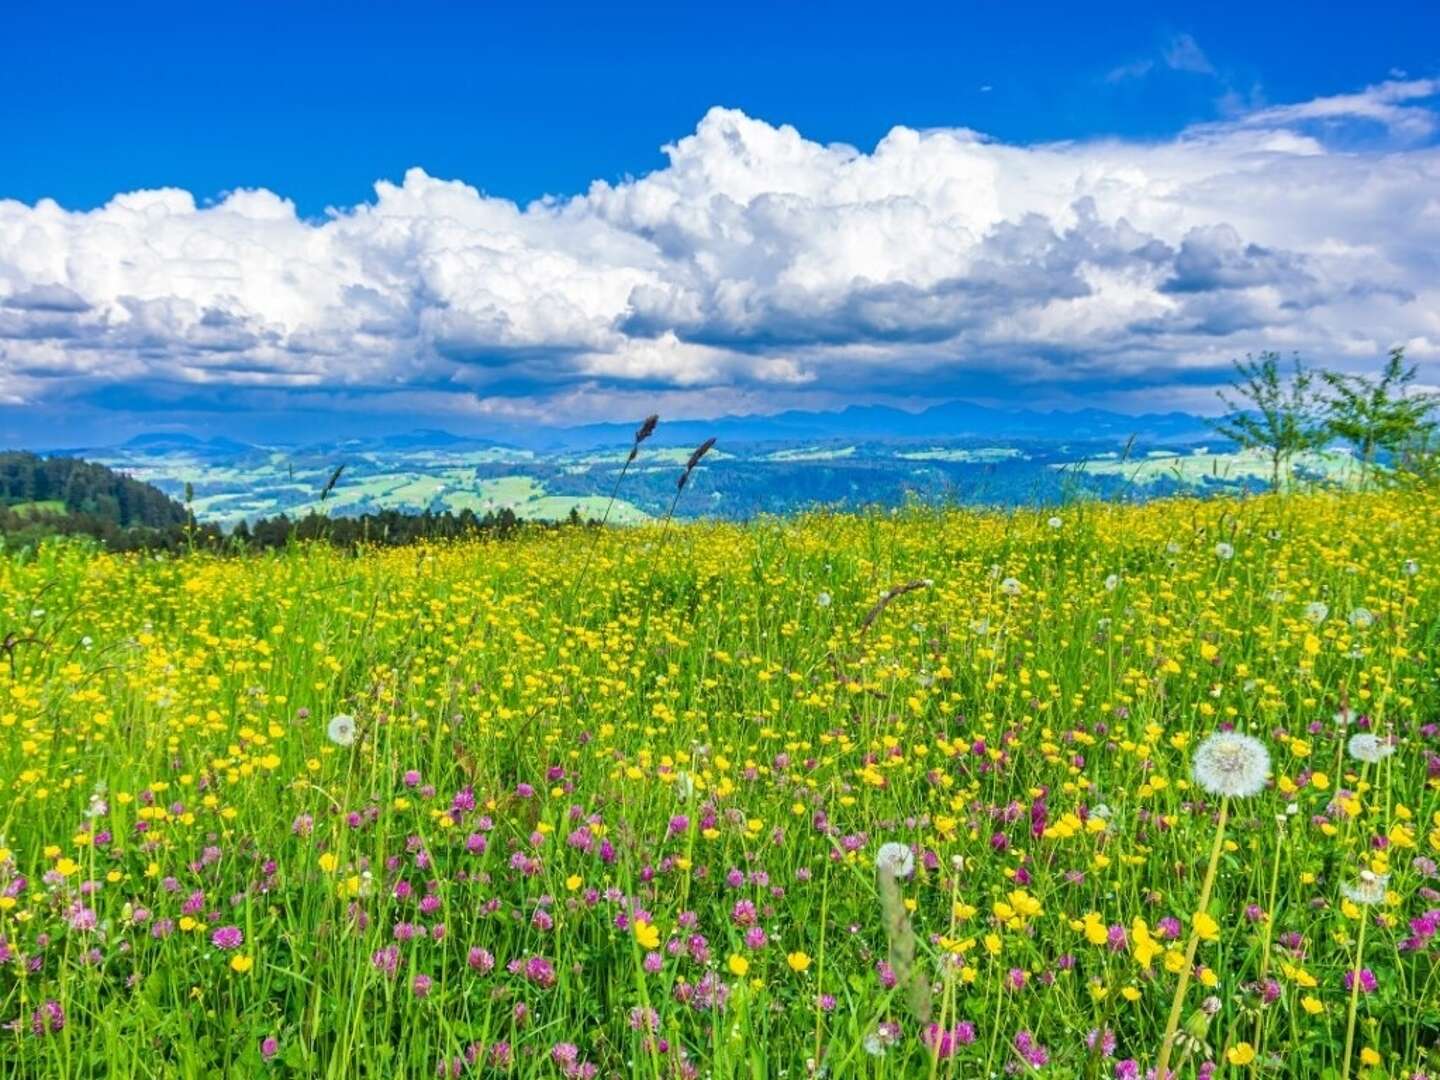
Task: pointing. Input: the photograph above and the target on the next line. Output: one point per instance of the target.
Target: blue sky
(1077, 204)
(318, 101)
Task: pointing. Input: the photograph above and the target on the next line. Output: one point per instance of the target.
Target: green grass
(35, 508)
(577, 748)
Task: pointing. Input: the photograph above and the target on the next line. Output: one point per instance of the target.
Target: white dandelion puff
(1361, 618)
(1369, 889)
(1172, 547)
(341, 729)
(895, 859)
(1316, 612)
(1410, 567)
(823, 600)
(1010, 586)
(1369, 748)
(1231, 764)
(1055, 523)
(1224, 550)
(1112, 582)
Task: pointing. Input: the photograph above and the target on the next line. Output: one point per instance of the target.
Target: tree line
(387, 528)
(34, 485)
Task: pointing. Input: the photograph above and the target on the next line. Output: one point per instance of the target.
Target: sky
(369, 216)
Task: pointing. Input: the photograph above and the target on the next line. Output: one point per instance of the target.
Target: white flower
(1410, 567)
(895, 859)
(1054, 523)
(1229, 763)
(1316, 612)
(823, 600)
(1369, 748)
(1370, 889)
(1361, 618)
(1010, 586)
(1224, 550)
(1112, 582)
(341, 729)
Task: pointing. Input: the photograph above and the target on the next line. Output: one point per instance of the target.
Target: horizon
(1101, 230)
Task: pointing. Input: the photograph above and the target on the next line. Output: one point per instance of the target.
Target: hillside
(32, 486)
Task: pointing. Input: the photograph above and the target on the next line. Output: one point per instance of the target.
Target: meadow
(915, 793)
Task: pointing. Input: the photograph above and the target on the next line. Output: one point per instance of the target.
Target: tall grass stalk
(1177, 1004)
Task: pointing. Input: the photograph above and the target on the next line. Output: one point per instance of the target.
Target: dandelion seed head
(1231, 764)
(1368, 889)
(1369, 748)
(896, 859)
(341, 729)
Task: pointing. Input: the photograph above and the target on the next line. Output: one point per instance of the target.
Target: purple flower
(942, 1042)
(47, 1019)
(1368, 985)
(227, 937)
(481, 960)
(386, 960)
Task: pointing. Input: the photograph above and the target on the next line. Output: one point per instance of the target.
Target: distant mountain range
(870, 423)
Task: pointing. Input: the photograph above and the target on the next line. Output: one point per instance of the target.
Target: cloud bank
(760, 269)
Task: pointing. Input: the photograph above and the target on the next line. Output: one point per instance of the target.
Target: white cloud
(760, 265)
(1184, 54)
(1384, 104)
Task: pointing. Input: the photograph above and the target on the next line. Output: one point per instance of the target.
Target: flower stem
(1178, 1004)
(1354, 996)
(1269, 932)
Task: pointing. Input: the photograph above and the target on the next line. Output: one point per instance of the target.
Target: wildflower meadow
(1101, 791)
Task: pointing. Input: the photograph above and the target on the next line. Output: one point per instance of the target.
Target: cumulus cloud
(759, 265)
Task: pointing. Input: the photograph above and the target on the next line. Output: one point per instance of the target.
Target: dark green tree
(1379, 414)
(1278, 416)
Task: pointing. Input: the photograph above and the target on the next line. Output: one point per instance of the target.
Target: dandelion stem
(1178, 1004)
(1354, 996)
(1269, 930)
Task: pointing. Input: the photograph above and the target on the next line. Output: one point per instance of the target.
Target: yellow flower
(647, 935)
(1146, 947)
(66, 867)
(1240, 1054)
(1312, 1005)
(798, 961)
(240, 963)
(738, 965)
(1369, 1057)
(1206, 927)
(329, 861)
(573, 882)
